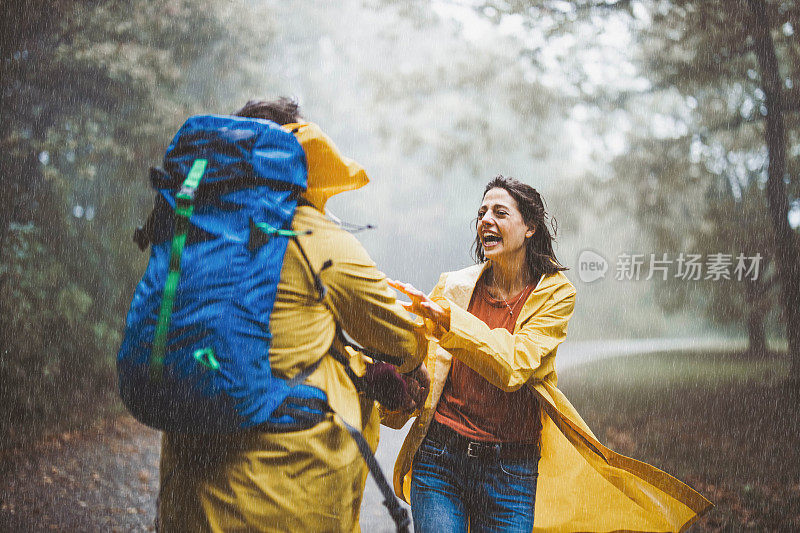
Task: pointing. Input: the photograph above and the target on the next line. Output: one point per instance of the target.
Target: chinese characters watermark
(684, 266)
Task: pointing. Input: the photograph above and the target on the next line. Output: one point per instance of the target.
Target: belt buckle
(472, 449)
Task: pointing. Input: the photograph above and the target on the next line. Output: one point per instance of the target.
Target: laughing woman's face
(501, 228)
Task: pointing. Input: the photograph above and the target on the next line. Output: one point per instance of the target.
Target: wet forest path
(106, 479)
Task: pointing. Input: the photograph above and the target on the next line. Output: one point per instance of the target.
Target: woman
(496, 443)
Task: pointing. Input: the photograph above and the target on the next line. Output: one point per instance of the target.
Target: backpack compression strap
(399, 515)
(316, 413)
(184, 206)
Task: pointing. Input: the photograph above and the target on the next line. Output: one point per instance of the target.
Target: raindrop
(77, 211)
(90, 212)
(788, 29)
(70, 156)
(789, 83)
(44, 157)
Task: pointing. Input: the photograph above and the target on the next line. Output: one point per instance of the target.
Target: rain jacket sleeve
(397, 419)
(364, 305)
(507, 360)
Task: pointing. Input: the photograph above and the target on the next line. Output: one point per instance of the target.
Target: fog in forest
(434, 101)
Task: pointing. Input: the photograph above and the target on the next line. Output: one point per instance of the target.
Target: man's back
(309, 480)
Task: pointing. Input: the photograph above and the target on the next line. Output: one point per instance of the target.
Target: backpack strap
(318, 285)
(398, 513)
(184, 207)
(143, 235)
(309, 413)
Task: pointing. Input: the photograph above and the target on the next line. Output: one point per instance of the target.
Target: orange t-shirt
(475, 408)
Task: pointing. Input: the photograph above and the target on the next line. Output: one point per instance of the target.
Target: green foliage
(91, 93)
(55, 367)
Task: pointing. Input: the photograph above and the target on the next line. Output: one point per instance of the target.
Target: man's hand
(419, 384)
(394, 391)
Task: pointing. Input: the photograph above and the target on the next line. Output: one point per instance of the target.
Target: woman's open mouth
(490, 240)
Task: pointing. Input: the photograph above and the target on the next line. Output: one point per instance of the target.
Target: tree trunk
(787, 252)
(757, 338)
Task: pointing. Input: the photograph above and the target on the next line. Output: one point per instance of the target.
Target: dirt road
(106, 480)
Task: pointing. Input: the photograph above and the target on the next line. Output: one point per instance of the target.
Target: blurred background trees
(643, 122)
(727, 136)
(90, 91)
(711, 151)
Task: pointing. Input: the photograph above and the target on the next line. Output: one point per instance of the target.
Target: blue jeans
(452, 491)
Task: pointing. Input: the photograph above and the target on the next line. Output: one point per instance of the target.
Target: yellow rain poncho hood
(329, 172)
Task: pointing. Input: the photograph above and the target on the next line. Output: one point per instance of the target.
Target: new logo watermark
(685, 266)
(591, 266)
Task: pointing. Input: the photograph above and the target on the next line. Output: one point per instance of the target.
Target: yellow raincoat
(582, 485)
(310, 480)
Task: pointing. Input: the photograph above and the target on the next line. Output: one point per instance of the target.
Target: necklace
(510, 309)
(505, 301)
(509, 306)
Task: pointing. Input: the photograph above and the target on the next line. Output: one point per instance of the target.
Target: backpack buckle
(186, 193)
(473, 449)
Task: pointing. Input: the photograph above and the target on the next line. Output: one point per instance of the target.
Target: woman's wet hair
(539, 254)
(281, 111)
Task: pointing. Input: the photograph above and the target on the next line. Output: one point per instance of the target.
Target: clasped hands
(406, 392)
(395, 391)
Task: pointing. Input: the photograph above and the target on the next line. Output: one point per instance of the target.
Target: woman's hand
(423, 306)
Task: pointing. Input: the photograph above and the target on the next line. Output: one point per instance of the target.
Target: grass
(721, 422)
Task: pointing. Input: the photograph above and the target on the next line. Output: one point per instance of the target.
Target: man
(313, 479)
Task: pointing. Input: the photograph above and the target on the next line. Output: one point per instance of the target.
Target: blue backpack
(194, 358)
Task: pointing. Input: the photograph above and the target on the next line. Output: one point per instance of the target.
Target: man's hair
(282, 110)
